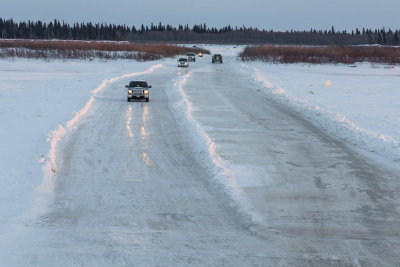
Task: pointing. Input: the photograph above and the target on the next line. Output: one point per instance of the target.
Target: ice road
(210, 172)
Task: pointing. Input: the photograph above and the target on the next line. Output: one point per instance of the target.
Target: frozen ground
(226, 165)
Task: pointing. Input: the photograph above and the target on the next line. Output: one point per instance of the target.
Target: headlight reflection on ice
(143, 132)
(144, 136)
(128, 122)
(147, 160)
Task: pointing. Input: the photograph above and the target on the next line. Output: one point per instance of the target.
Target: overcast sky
(265, 14)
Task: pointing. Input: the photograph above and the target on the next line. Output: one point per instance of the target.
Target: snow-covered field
(256, 159)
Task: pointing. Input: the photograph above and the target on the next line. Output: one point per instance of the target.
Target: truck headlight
(146, 92)
(130, 91)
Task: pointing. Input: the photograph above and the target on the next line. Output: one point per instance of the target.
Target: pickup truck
(217, 58)
(191, 57)
(138, 90)
(183, 62)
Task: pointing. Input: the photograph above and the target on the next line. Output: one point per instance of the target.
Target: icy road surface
(210, 172)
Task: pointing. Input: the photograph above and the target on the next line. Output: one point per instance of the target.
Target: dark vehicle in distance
(138, 90)
(217, 58)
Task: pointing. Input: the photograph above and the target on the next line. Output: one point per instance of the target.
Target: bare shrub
(325, 54)
(63, 49)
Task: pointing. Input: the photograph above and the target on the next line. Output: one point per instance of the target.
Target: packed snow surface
(228, 164)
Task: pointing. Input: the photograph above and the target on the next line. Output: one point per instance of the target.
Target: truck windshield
(137, 84)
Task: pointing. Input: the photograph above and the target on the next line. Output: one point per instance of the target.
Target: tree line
(197, 33)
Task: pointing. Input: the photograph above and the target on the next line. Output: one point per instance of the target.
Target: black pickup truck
(217, 58)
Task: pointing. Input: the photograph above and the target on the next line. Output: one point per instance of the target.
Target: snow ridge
(205, 147)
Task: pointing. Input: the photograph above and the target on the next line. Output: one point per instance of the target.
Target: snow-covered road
(210, 172)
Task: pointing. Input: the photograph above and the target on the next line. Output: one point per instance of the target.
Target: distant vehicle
(217, 58)
(200, 54)
(138, 90)
(191, 57)
(183, 62)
